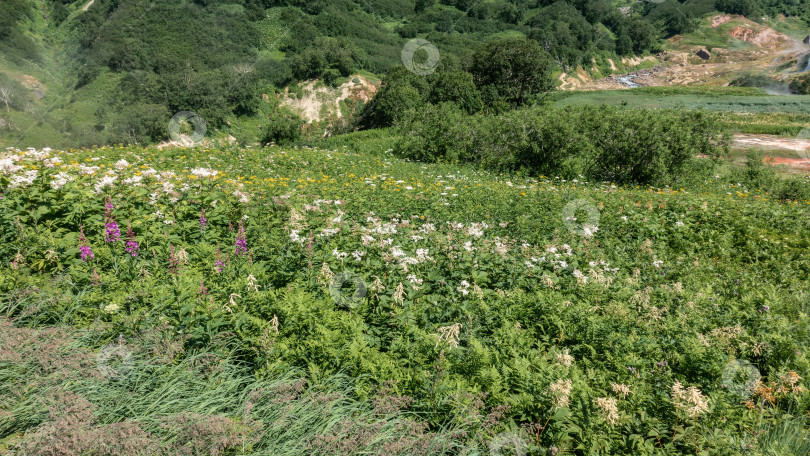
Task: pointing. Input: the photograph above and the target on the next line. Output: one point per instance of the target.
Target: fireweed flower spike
(203, 220)
(218, 264)
(132, 243)
(174, 263)
(111, 233)
(84, 248)
(241, 242)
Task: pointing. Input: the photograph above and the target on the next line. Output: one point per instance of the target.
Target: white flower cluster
(23, 180)
(204, 172)
(60, 180)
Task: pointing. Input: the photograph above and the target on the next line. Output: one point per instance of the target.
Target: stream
(628, 81)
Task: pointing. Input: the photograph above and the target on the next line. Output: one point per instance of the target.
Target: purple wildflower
(84, 248)
(111, 232)
(203, 220)
(241, 242)
(218, 265)
(132, 244)
(203, 290)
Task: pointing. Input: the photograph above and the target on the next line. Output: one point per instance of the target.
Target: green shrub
(283, 127)
(602, 143)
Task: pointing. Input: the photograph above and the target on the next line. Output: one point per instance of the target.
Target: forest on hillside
(143, 60)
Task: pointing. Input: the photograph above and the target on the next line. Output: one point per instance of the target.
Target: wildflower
(463, 288)
(60, 179)
(274, 324)
(251, 283)
(377, 286)
(241, 242)
(621, 389)
(477, 291)
(561, 390)
(399, 294)
(204, 172)
(690, 400)
(111, 231)
(182, 256)
(18, 260)
(581, 278)
(106, 181)
(609, 410)
(111, 308)
(203, 220)
(565, 358)
(174, 263)
(449, 334)
(658, 263)
(84, 248)
(203, 291)
(95, 279)
(132, 244)
(23, 180)
(218, 264)
(326, 273)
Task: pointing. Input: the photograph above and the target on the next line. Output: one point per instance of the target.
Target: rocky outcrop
(806, 40)
(764, 38)
(703, 54)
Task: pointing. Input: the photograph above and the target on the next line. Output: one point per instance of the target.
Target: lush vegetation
(595, 143)
(432, 309)
(118, 71)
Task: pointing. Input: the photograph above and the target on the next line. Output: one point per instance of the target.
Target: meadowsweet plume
(609, 410)
(560, 392)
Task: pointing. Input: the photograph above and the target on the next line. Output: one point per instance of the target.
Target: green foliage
(600, 143)
(282, 127)
(511, 69)
(15, 44)
(458, 88)
(479, 310)
(801, 84)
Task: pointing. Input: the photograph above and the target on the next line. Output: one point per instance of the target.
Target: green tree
(457, 87)
(283, 127)
(515, 67)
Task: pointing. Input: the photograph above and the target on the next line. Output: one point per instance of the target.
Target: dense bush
(601, 143)
(512, 69)
(282, 127)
